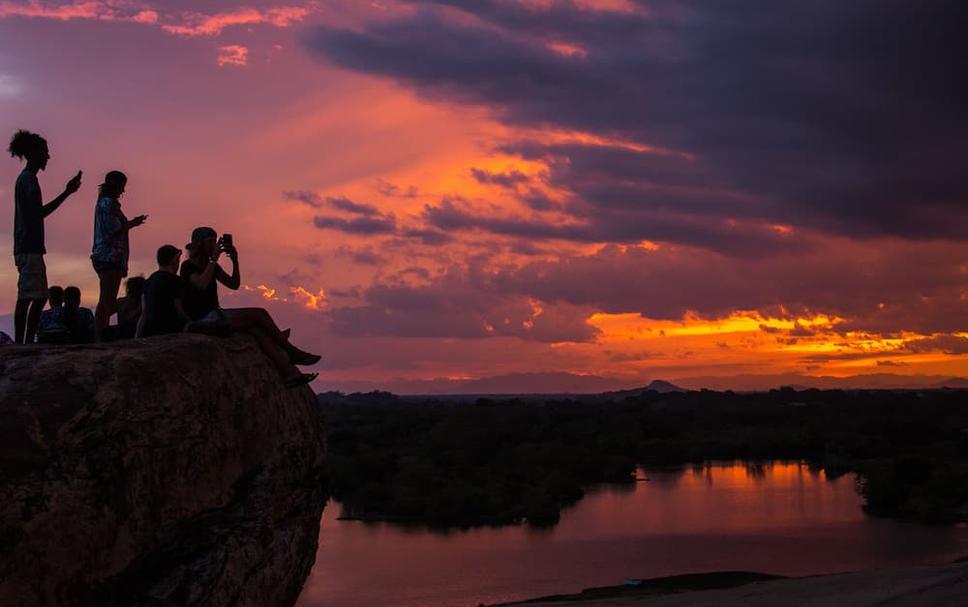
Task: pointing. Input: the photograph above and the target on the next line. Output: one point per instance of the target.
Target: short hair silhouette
(167, 254)
(24, 143)
(134, 286)
(72, 297)
(114, 183)
(56, 296)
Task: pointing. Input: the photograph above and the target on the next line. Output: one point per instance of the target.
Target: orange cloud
(632, 344)
(300, 295)
(310, 301)
(61, 12)
(198, 24)
(146, 16)
(233, 54)
(184, 24)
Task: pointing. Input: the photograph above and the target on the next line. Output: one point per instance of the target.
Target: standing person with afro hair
(28, 231)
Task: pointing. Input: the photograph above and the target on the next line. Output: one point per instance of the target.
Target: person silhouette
(109, 255)
(202, 274)
(80, 321)
(162, 299)
(129, 307)
(28, 231)
(52, 328)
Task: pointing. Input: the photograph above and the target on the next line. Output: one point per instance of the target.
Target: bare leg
(276, 355)
(20, 320)
(33, 317)
(244, 318)
(107, 300)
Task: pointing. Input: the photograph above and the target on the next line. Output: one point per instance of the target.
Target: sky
(461, 189)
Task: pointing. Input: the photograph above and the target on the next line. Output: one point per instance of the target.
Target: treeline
(502, 461)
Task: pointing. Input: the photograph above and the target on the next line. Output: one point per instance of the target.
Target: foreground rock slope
(168, 471)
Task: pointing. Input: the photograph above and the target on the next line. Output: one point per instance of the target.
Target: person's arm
(133, 223)
(201, 280)
(112, 225)
(72, 186)
(139, 332)
(180, 311)
(235, 280)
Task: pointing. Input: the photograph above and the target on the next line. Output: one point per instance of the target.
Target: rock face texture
(168, 471)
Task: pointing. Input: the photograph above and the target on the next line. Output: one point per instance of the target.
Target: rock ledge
(166, 471)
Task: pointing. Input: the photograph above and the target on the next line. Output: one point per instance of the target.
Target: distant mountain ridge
(873, 381)
(572, 383)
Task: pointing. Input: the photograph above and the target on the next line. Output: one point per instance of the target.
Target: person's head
(30, 147)
(134, 286)
(169, 257)
(113, 185)
(72, 298)
(203, 244)
(55, 295)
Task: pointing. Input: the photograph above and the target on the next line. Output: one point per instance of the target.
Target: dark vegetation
(448, 464)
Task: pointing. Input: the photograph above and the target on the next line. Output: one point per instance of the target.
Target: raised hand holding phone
(74, 184)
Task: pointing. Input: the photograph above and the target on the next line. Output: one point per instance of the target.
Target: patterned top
(52, 320)
(110, 237)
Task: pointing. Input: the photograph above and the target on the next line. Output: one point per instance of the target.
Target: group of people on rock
(179, 296)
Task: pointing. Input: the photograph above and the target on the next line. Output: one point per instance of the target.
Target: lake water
(780, 518)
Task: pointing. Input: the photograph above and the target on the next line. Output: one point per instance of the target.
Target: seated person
(52, 328)
(129, 307)
(79, 321)
(162, 308)
(202, 273)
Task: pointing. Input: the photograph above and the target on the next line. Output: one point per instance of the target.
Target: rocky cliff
(168, 471)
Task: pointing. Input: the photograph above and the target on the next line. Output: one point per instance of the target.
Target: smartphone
(227, 241)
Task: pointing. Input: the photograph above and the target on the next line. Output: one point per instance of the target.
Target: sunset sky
(631, 189)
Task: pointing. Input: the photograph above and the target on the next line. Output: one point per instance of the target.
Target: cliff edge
(167, 471)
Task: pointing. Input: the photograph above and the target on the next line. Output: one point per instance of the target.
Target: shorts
(32, 283)
(108, 267)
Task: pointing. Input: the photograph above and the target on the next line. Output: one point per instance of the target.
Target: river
(781, 518)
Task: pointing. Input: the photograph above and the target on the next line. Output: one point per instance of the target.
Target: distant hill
(960, 383)
(662, 386)
(659, 385)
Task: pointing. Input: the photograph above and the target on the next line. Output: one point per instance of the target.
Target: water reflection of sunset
(779, 517)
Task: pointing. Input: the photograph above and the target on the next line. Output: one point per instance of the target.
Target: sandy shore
(939, 586)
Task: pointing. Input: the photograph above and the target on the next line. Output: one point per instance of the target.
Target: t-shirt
(198, 302)
(161, 290)
(82, 328)
(28, 215)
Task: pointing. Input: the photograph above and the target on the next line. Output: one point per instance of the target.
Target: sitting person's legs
(259, 319)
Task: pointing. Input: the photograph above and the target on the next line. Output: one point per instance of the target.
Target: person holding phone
(28, 231)
(111, 248)
(202, 274)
